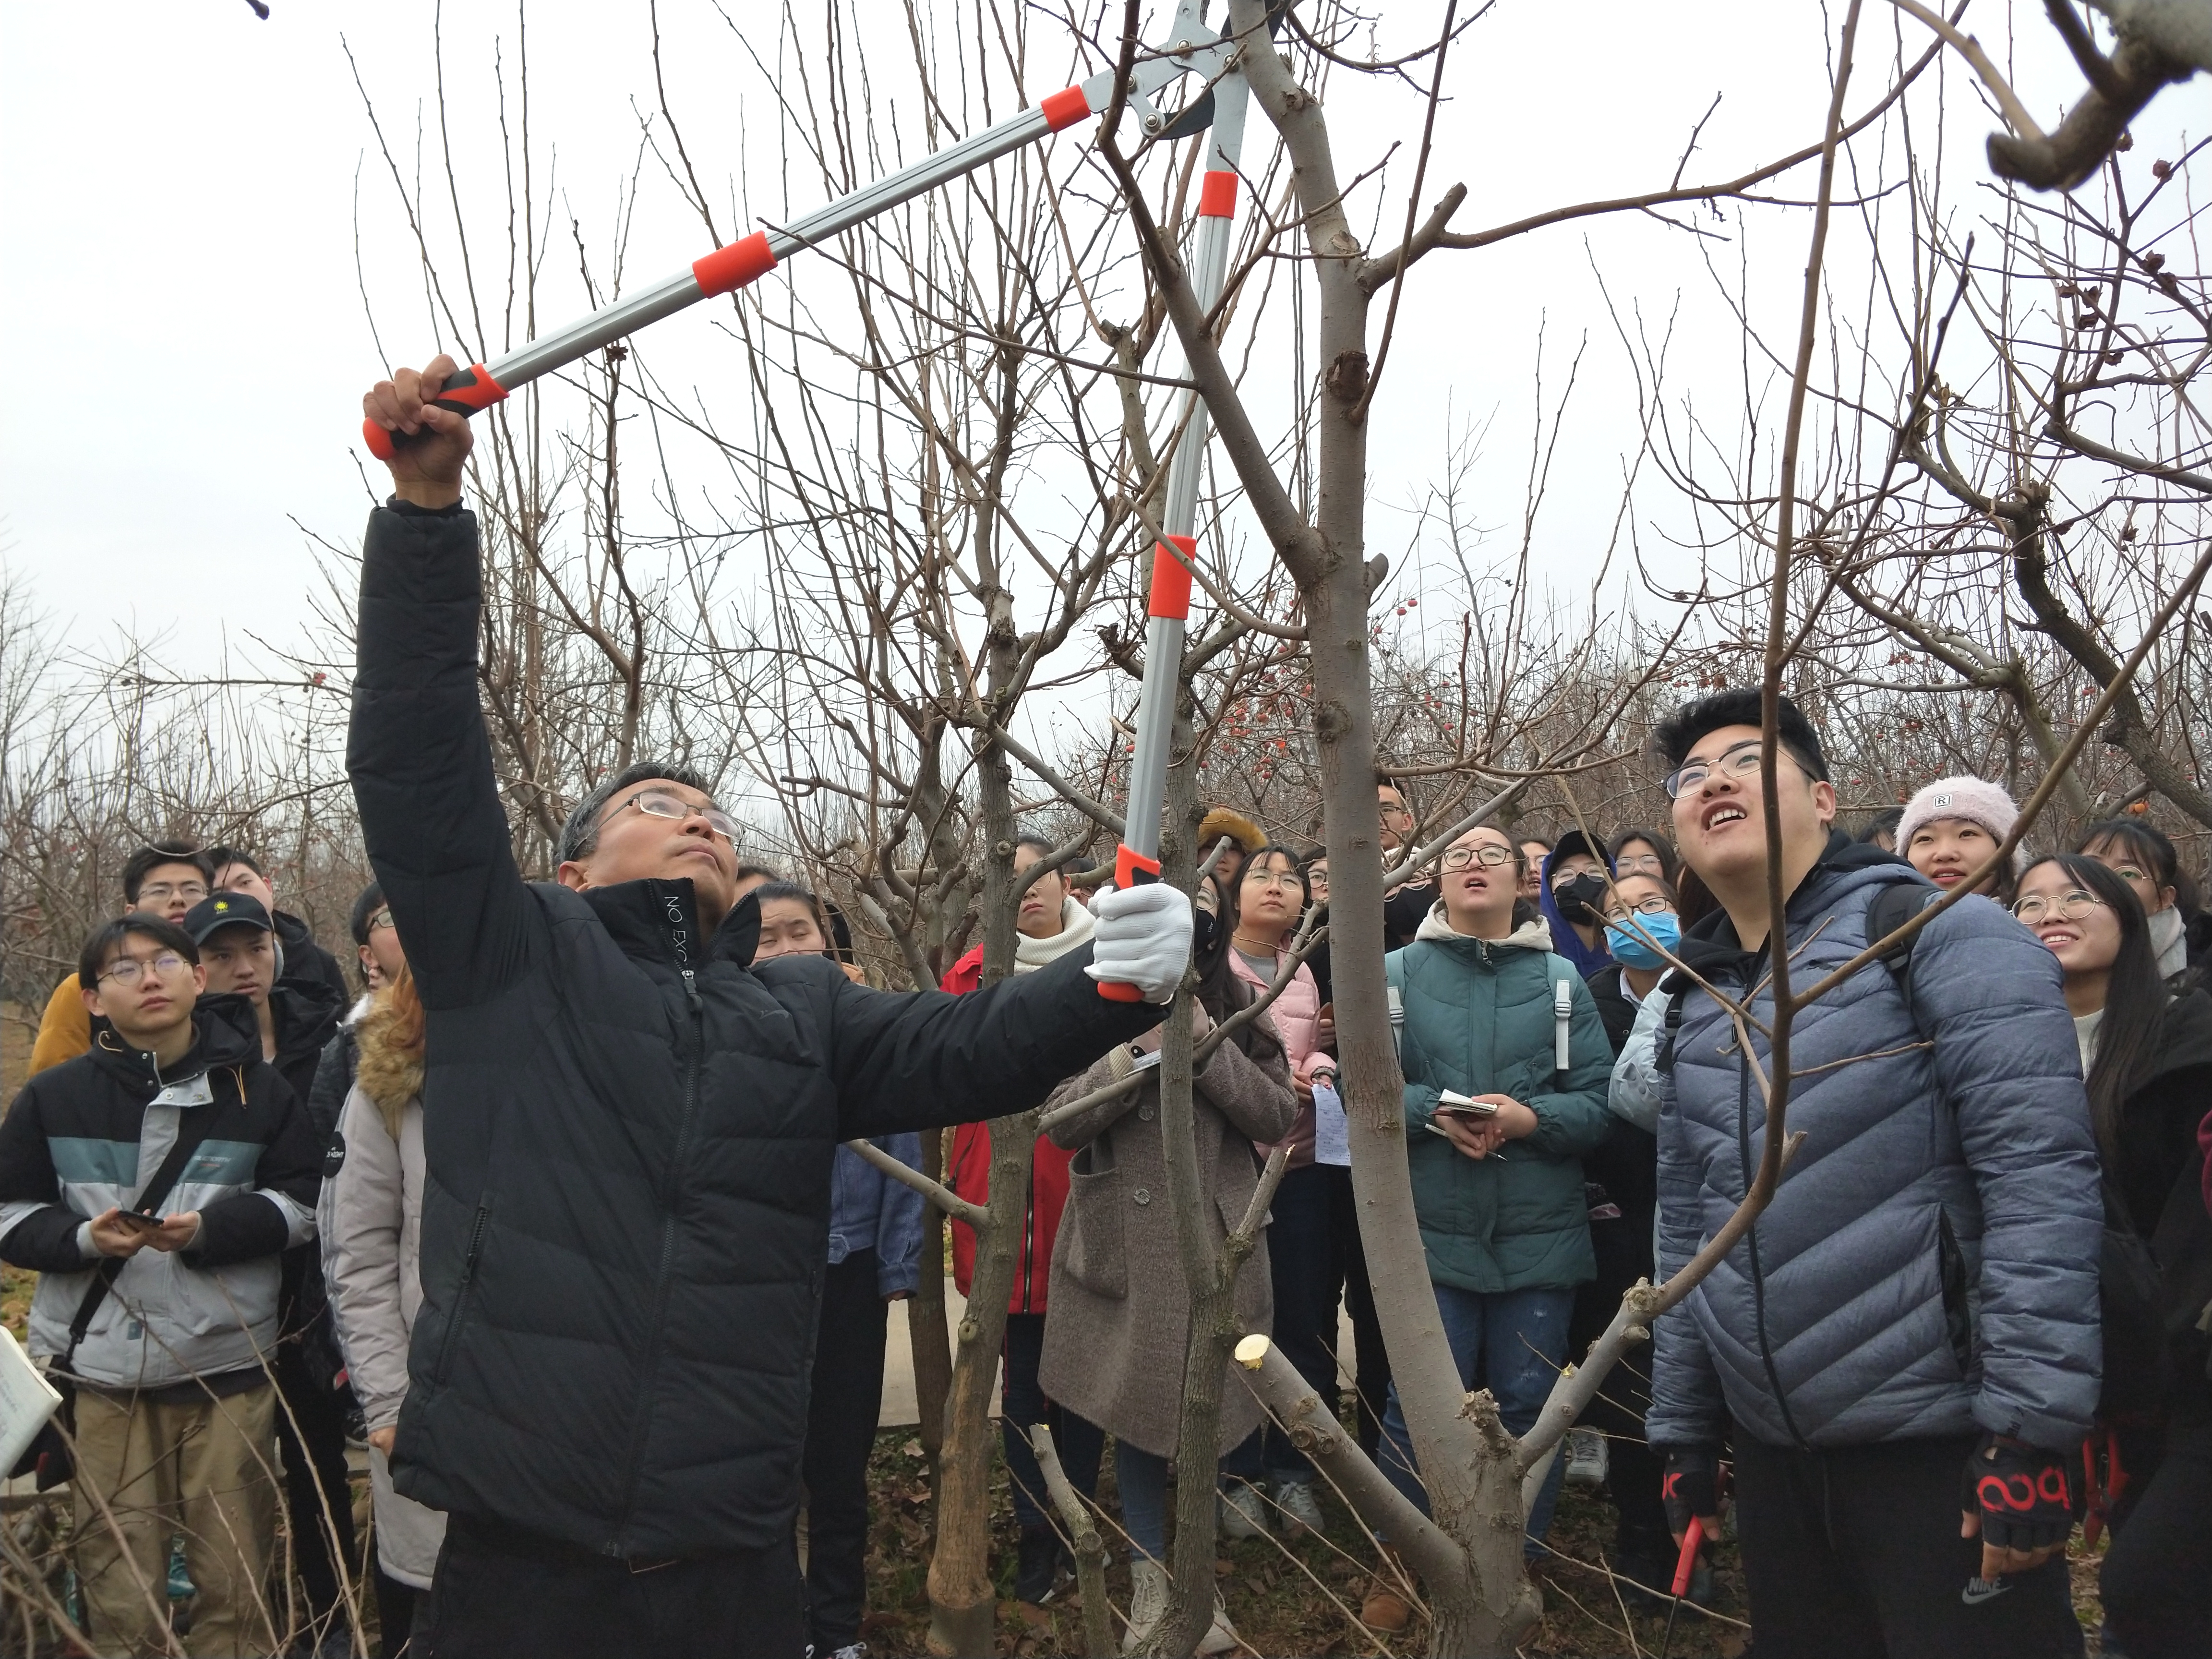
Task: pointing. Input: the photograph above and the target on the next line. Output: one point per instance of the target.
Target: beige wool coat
(1115, 1340)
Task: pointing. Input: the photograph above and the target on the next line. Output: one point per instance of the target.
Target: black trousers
(1855, 1553)
(844, 1399)
(2157, 1579)
(1315, 1257)
(1081, 1445)
(502, 1593)
(396, 1606)
(318, 1493)
(1632, 1471)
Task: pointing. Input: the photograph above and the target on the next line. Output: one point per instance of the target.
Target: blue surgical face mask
(1630, 949)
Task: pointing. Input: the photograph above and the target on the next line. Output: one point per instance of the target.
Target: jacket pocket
(1951, 1273)
(451, 1335)
(1097, 1258)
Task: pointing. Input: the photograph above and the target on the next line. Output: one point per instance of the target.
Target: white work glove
(1143, 938)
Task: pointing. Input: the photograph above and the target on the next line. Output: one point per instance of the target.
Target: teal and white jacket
(86, 1136)
(1481, 1017)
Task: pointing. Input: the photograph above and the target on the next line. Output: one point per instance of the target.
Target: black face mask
(1579, 898)
(1205, 927)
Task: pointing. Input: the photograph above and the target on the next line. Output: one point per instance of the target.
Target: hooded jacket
(370, 1217)
(1929, 1264)
(627, 1126)
(87, 1136)
(1586, 960)
(305, 959)
(306, 1012)
(1479, 1020)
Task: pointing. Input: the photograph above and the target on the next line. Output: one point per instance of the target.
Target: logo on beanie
(1940, 800)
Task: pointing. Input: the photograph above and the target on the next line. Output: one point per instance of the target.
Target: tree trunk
(962, 1603)
(925, 1322)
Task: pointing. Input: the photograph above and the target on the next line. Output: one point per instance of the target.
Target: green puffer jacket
(1479, 1020)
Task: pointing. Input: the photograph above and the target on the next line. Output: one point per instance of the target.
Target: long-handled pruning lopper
(1192, 48)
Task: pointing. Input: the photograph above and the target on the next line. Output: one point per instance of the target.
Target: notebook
(27, 1401)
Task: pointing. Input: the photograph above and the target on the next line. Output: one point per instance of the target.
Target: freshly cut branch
(1083, 1538)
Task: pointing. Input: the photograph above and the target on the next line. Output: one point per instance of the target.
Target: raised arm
(417, 752)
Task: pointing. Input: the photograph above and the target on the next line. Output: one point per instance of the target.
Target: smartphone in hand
(139, 1221)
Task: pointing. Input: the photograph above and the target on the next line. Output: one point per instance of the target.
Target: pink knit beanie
(1974, 799)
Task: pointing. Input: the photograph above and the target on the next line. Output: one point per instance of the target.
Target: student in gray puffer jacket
(1906, 1342)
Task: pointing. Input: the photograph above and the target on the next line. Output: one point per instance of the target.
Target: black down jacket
(629, 1134)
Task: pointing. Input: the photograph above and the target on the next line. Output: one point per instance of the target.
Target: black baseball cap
(225, 911)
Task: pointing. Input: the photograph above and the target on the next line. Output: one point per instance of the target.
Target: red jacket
(969, 1174)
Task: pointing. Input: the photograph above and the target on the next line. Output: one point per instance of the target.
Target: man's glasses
(127, 971)
(382, 918)
(160, 892)
(1740, 760)
(2067, 907)
(1489, 854)
(1654, 905)
(655, 803)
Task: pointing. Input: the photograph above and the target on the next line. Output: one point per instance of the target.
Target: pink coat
(1296, 1015)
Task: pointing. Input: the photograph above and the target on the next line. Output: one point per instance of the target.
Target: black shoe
(1037, 1572)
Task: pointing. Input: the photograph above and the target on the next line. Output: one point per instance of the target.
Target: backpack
(2129, 1294)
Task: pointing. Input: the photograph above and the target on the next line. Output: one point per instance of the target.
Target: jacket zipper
(680, 940)
(1751, 1238)
(461, 1296)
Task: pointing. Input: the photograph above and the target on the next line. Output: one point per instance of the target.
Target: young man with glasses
(1404, 906)
(628, 1128)
(237, 870)
(165, 879)
(164, 1318)
(1906, 1342)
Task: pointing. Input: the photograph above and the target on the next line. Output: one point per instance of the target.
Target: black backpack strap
(192, 1126)
(1663, 1059)
(1892, 907)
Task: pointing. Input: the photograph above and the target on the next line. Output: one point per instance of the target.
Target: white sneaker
(1221, 1636)
(1301, 1509)
(1586, 1457)
(1148, 1603)
(1243, 1511)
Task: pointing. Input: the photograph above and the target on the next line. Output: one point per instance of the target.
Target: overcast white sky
(185, 315)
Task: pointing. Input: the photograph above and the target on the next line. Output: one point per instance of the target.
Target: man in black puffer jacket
(629, 1132)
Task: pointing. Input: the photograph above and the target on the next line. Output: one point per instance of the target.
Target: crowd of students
(557, 1218)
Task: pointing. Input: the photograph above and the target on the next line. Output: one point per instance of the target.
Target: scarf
(2169, 936)
(1076, 923)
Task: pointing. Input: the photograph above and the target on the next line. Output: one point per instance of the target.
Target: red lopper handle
(1686, 1563)
(1131, 869)
(468, 390)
